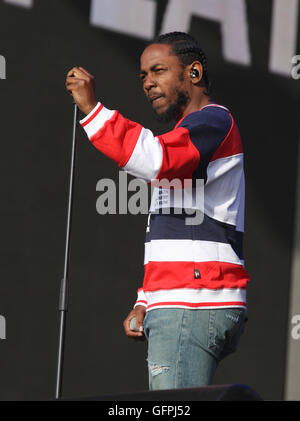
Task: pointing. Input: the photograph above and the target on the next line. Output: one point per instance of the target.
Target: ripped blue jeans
(185, 346)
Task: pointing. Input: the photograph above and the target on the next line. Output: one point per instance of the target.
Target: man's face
(164, 81)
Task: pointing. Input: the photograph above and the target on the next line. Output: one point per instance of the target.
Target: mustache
(152, 97)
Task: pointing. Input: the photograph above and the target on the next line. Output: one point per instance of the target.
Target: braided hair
(187, 49)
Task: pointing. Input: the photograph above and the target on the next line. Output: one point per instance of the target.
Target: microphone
(133, 325)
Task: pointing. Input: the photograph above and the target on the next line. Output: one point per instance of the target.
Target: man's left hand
(81, 85)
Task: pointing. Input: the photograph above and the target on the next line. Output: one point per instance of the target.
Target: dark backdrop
(40, 45)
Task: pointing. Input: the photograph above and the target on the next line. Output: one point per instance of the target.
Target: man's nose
(149, 83)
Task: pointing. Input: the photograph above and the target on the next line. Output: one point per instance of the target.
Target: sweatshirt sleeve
(141, 298)
(136, 150)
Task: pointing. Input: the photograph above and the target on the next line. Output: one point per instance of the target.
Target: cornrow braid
(187, 49)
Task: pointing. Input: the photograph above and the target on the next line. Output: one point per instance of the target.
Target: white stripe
(141, 295)
(98, 121)
(215, 105)
(193, 296)
(189, 251)
(90, 113)
(224, 190)
(146, 159)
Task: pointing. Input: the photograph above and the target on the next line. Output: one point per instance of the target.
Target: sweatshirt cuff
(141, 298)
(96, 119)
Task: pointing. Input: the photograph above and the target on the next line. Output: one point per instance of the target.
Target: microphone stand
(63, 297)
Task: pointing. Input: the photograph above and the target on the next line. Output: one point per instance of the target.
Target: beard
(175, 110)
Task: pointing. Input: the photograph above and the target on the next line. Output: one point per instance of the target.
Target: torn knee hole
(156, 369)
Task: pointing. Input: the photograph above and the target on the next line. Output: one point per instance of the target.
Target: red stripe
(180, 156)
(117, 138)
(208, 304)
(231, 145)
(213, 275)
(92, 116)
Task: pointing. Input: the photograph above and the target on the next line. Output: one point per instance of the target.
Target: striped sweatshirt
(194, 236)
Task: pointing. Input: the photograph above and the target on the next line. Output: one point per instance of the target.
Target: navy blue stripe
(173, 227)
(207, 129)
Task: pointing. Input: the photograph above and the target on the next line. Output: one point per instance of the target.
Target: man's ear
(196, 72)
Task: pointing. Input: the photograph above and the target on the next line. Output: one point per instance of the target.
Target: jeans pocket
(224, 330)
(235, 328)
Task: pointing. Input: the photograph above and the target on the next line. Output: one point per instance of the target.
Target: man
(192, 305)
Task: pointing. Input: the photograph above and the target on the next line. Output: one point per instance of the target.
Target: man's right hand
(81, 85)
(139, 313)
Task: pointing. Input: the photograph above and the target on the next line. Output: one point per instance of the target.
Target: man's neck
(197, 105)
